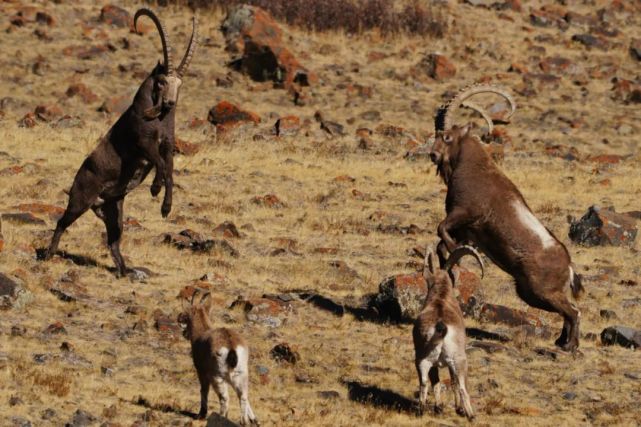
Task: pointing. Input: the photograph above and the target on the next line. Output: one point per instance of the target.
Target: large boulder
(256, 40)
(604, 227)
(401, 297)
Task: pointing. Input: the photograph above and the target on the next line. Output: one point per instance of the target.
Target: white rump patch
(531, 222)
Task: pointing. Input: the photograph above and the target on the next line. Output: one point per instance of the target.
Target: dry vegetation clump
(412, 17)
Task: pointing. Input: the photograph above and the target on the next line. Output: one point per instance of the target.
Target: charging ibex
(142, 138)
(485, 208)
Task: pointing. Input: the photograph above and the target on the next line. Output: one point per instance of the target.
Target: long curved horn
(193, 296)
(166, 45)
(443, 116)
(207, 295)
(482, 112)
(191, 47)
(459, 253)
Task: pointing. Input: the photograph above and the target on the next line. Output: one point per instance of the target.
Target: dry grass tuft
(350, 16)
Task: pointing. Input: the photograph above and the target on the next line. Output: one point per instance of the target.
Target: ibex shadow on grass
(143, 138)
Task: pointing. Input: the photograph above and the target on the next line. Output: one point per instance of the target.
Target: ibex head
(435, 277)
(447, 135)
(195, 315)
(167, 80)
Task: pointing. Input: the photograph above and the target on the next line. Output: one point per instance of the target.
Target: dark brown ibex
(439, 334)
(143, 138)
(486, 209)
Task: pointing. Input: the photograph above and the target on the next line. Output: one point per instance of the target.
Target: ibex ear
(465, 129)
(428, 263)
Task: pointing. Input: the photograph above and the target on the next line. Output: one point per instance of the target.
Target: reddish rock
(48, 113)
(82, 91)
(11, 170)
(54, 212)
(269, 201)
(164, 324)
(227, 229)
(227, 116)
(287, 126)
(562, 151)
(55, 328)
(253, 35)
(86, 52)
(467, 283)
(606, 159)
(28, 121)
(375, 56)
(345, 178)
(401, 297)
(517, 67)
(116, 16)
(185, 148)
(599, 227)
(555, 64)
(438, 67)
(116, 104)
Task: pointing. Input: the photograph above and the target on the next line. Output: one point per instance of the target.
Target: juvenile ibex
(439, 334)
(220, 356)
(143, 138)
(485, 208)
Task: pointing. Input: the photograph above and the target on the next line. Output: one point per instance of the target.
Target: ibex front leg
(151, 151)
(167, 152)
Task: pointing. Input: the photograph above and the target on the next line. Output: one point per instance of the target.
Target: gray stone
(621, 335)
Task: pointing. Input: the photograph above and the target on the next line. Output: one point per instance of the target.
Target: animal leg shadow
(381, 398)
(81, 260)
(362, 313)
(167, 408)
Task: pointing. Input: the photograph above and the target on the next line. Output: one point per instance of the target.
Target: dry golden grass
(513, 387)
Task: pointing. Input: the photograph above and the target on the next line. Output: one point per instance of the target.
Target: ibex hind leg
(82, 196)
(113, 212)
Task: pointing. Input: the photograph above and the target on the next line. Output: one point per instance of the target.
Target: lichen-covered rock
(401, 297)
(257, 40)
(604, 227)
(12, 295)
(227, 116)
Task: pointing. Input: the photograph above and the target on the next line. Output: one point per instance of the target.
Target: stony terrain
(293, 227)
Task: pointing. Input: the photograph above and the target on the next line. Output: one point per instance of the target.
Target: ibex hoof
(155, 189)
(164, 211)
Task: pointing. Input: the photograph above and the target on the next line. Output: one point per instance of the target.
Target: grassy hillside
(124, 363)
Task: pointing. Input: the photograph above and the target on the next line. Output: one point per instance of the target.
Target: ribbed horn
(166, 45)
(191, 48)
(193, 296)
(482, 112)
(459, 253)
(444, 114)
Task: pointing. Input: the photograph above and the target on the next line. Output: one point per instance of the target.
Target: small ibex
(486, 209)
(143, 138)
(439, 334)
(220, 356)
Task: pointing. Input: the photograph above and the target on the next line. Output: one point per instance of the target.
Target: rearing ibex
(143, 138)
(485, 208)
